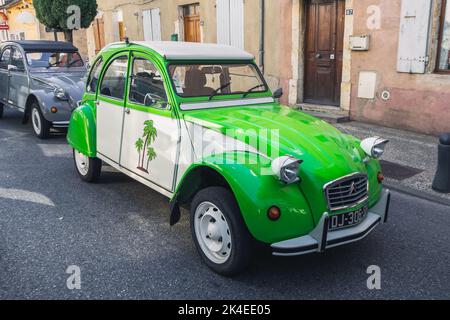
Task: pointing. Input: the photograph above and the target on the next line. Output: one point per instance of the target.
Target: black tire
(94, 169)
(242, 241)
(44, 125)
(1, 110)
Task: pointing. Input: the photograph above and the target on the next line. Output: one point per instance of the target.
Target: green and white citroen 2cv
(198, 124)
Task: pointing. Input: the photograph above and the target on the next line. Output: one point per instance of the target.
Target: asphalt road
(117, 232)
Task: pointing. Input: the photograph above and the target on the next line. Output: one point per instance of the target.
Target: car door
(18, 80)
(5, 60)
(151, 128)
(110, 105)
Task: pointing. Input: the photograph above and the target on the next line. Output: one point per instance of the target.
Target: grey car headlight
(374, 147)
(287, 169)
(60, 93)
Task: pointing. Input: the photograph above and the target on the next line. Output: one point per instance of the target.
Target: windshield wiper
(72, 63)
(253, 89)
(53, 64)
(219, 89)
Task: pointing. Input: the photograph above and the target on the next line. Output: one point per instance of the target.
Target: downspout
(262, 7)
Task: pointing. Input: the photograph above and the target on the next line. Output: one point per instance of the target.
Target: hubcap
(36, 120)
(82, 163)
(212, 232)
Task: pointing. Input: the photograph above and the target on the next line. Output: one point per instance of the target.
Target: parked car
(43, 79)
(199, 124)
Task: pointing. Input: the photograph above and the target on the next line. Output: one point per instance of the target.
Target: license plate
(348, 219)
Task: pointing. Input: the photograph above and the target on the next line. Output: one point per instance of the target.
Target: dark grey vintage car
(43, 79)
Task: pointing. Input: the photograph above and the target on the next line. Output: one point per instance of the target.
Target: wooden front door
(192, 23)
(324, 51)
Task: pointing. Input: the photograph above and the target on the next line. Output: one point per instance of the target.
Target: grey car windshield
(54, 59)
(195, 80)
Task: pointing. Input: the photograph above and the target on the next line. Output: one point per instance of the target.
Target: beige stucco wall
(418, 102)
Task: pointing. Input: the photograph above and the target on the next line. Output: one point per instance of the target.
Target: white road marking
(24, 195)
(56, 150)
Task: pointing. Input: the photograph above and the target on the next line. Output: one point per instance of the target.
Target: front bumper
(321, 239)
(60, 124)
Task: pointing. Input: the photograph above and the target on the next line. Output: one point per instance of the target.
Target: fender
(83, 130)
(255, 193)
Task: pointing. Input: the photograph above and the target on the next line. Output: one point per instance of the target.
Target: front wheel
(219, 232)
(41, 126)
(88, 169)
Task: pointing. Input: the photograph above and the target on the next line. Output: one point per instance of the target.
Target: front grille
(347, 192)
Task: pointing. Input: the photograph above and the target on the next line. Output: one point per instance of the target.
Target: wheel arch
(197, 178)
(30, 100)
(83, 130)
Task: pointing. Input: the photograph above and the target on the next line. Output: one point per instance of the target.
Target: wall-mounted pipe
(262, 7)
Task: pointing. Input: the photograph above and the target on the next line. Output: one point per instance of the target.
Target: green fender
(82, 130)
(256, 193)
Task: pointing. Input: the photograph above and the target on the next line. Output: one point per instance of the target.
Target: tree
(150, 134)
(139, 146)
(66, 15)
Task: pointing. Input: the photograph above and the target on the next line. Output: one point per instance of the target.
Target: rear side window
(5, 59)
(17, 60)
(94, 76)
(114, 79)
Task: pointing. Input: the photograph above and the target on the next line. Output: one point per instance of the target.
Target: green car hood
(327, 153)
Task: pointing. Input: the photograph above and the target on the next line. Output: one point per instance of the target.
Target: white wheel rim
(82, 163)
(36, 120)
(213, 233)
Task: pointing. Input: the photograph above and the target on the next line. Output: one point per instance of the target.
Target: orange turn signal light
(380, 177)
(53, 109)
(274, 213)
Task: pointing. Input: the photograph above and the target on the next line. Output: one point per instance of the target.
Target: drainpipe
(262, 7)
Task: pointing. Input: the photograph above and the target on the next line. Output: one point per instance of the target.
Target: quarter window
(147, 83)
(444, 39)
(114, 79)
(5, 58)
(94, 76)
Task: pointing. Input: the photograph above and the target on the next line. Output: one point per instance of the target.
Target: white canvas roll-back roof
(173, 50)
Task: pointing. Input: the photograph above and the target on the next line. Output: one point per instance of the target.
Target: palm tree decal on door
(144, 146)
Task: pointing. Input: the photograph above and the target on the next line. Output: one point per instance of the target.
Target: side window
(17, 60)
(114, 79)
(147, 83)
(5, 59)
(94, 76)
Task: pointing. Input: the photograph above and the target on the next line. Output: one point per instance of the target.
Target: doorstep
(330, 114)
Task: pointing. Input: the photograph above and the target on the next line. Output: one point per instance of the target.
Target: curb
(418, 194)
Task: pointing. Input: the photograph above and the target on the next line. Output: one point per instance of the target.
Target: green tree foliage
(53, 14)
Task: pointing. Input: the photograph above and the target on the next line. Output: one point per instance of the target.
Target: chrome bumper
(60, 124)
(321, 239)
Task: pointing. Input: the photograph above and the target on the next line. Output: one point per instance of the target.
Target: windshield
(209, 80)
(54, 59)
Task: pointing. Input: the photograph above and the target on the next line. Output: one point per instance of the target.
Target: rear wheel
(89, 169)
(219, 232)
(41, 126)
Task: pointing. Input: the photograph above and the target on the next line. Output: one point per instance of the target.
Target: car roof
(174, 50)
(46, 46)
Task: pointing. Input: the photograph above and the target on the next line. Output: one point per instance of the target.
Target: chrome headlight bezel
(287, 169)
(60, 94)
(374, 147)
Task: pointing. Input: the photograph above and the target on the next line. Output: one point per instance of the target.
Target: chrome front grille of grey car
(347, 192)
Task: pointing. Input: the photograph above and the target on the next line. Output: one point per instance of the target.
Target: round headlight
(374, 147)
(287, 169)
(60, 93)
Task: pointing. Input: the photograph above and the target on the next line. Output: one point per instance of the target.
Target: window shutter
(413, 38)
(237, 23)
(156, 24)
(223, 21)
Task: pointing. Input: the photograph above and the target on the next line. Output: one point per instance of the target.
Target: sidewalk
(410, 161)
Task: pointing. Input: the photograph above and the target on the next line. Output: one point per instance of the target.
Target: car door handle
(127, 110)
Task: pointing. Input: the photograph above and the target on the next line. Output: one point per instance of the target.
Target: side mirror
(12, 67)
(278, 93)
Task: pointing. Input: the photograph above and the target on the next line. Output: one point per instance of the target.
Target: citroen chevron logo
(352, 188)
